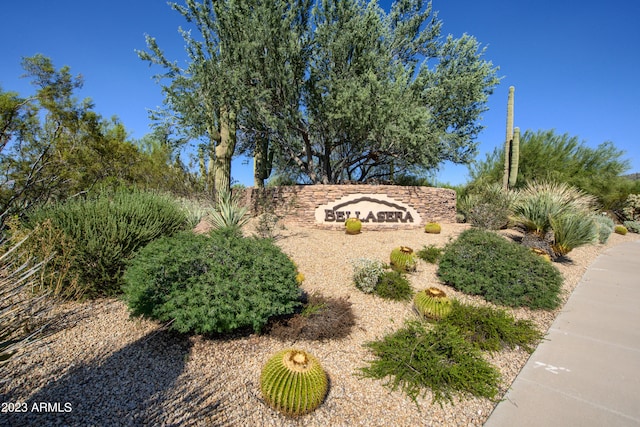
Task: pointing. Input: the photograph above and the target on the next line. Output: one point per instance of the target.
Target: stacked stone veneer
(298, 203)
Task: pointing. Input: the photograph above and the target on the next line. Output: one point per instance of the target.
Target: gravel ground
(102, 368)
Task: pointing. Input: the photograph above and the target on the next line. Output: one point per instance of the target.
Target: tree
(349, 94)
(547, 156)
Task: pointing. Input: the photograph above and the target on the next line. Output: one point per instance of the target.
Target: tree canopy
(337, 91)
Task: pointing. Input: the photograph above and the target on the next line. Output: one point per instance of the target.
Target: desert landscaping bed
(113, 370)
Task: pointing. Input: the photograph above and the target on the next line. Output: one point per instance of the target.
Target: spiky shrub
(492, 329)
(430, 254)
(228, 213)
(416, 359)
(215, 283)
(98, 235)
(538, 203)
(632, 226)
(293, 382)
(394, 286)
(403, 259)
(432, 228)
(484, 263)
(366, 274)
(432, 303)
(571, 230)
(353, 225)
(605, 227)
(488, 207)
(620, 229)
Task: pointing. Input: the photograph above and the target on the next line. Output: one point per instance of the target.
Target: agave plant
(228, 213)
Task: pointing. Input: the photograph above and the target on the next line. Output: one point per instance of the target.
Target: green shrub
(430, 254)
(483, 263)
(571, 230)
(97, 236)
(415, 359)
(215, 283)
(492, 329)
(605, 227)
(488, 207)
(632, 226)
(366, 274)
(393, 285)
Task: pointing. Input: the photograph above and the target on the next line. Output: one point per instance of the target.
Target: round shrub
(393, 285)
(214, 283)
(483, 263)
(366, 273)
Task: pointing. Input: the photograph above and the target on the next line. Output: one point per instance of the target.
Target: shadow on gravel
(136, 385)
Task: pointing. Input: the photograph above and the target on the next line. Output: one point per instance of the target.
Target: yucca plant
(228, 213)
(571, 230)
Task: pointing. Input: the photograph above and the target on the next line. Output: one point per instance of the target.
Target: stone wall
(306, 204)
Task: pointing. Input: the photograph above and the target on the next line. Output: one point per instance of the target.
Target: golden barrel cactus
(293, 382)
(403, 259)
(432, 303)
(432, 228)
(353, 225)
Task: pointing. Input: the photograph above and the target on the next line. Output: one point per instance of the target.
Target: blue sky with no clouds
(574, 65)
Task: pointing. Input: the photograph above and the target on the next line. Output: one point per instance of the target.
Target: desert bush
(488, 207)
(631, 210)
(571, 230)
(320, 318)
(430, 254)
(23, 313)
(366, 274)
(95, 237)
(483, 263)
(632, 226)
(215, 283)
(416, 359)
(605, 226)
(492, 329)
(393, 285)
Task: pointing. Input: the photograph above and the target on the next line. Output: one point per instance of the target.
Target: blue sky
(574, 65)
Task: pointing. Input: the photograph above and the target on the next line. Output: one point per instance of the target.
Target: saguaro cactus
(511, 146)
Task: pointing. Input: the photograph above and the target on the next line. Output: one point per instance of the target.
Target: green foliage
(547, 156)
(228, 213)
(215, 283)
(487, 206)
(492, 329)
(430, 254)
(484, 263)
(366, 274)
(96, 236)
(403, 259)
(415, 359)
(293, 382)
(632, 226)
(571, 230)
(539, 203)
(393, 285)
(631, 209)
(605, 226)
(620, 229)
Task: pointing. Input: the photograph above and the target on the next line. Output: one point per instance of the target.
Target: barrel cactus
(293, 382)
(353, 225)
(403, 259)
(432, 303)
(432, 228)
(620, 229)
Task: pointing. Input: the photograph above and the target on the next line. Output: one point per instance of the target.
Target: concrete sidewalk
(587, 371)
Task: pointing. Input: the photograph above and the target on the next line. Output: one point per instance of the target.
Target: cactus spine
(511, 147)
